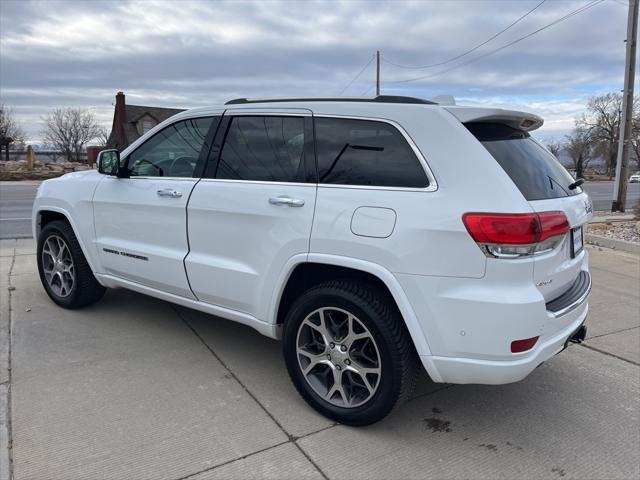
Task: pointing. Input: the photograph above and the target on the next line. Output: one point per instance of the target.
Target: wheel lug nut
(332, 345)
(329, 357)
(338, 367)
(347, 362)
(343, 348)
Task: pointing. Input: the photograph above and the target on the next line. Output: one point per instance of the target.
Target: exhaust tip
(579, 335)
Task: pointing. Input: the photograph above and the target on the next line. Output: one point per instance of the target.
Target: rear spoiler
(513, 118)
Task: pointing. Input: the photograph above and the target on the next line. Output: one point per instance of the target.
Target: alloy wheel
(338, 357)
(57, 266)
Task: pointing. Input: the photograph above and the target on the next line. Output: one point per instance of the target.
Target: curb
(17, 236)
(620, 245)
(20, 182)
(613, 218)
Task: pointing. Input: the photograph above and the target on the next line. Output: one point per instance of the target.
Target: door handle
(284, 200)
(169, 192)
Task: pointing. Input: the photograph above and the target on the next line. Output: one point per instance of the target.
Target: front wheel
(64, 271)
(348, 352)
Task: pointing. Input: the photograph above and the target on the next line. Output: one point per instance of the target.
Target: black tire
(379, 314)
(86, 289)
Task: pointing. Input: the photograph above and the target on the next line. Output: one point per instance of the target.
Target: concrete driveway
(135, 388)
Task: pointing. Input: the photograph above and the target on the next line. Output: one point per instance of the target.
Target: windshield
(536, 172)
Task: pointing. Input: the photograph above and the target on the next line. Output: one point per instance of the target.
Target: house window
(146, 126)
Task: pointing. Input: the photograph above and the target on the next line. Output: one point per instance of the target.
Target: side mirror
(109, 162)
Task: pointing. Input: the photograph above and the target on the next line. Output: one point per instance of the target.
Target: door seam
(186, 226)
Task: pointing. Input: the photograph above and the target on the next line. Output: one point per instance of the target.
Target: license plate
(577, 241)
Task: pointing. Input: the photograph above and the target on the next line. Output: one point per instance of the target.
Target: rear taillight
(518, 234)
(552, 224)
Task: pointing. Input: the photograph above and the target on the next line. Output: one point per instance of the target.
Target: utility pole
(622, 162)
(378, 72)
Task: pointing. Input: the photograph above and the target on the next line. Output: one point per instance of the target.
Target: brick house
(130, 122)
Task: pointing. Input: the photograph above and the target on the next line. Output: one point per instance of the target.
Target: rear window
(535, 171)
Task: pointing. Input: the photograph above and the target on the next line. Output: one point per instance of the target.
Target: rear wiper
(553, 181)
(576, 184)
(335, 161)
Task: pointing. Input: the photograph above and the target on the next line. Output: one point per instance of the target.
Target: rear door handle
(169, 192)
(284, 200)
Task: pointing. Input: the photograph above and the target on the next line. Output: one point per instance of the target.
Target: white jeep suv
(371, 235)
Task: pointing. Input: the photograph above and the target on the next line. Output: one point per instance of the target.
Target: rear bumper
(490, 372)
(575, 296)
(470, 323)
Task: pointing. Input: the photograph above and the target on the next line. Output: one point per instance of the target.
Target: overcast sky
(187, 54)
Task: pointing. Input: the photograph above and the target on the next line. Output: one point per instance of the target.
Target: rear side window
(535, 171)
(263, 148)
(364, 152)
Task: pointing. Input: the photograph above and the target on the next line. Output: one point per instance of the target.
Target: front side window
(263, 149)
(365, 152)
(172, 152)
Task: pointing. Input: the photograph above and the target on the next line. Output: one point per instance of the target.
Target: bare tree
(554, 147)
(70, 129)
(602, 120)
(103, 136)
(580, 147)
(11, 130)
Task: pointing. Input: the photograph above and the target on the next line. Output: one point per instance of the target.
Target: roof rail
(378, 99)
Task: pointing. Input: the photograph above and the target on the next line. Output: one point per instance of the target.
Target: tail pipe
(579, 335)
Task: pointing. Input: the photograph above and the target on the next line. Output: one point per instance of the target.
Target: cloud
(186, 54)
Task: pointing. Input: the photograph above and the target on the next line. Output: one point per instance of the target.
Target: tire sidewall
(386, 394)
(57, 228)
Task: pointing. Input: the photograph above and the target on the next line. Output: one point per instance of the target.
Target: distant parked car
(635, 178)
(374, 236)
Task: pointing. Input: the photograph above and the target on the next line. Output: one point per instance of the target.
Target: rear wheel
(64, 271)
(348, 352)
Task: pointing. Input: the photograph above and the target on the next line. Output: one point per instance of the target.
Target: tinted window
(535, 171)
(172, 152)
(363, 152)
(263, 148)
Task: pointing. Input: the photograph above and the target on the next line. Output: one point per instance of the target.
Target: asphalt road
(133, 387)
(16, 200)
(601, 194)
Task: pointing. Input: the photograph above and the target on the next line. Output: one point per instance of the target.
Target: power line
(359, 73)
(491, 52)
(468, 51)
(367, 91)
